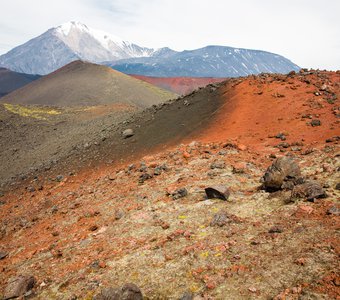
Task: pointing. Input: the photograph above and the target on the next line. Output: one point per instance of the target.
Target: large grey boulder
(283, 170)
(309, 190)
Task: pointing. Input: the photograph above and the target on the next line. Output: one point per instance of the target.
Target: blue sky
(305, 31)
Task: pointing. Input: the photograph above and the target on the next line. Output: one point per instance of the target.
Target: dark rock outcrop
(128, 291)
(18, 286)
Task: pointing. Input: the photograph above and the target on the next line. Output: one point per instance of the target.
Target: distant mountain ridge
(210, 61)
(75, 41)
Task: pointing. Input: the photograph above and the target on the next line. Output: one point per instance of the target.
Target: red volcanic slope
(256, 109)
(179, 85)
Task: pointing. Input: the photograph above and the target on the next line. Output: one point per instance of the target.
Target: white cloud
(305, 31)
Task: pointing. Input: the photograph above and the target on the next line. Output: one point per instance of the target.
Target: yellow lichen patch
(204, 254)
(40, 113)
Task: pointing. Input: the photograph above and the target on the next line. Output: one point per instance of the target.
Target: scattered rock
(179, 193)
(333, 211)
(119, 214)
(187, 296)
(159, 169)
(128, 133)
(315, 122)
(239, 168)
(3, 254)
(242, 147)
(337, 187)
(54, 209)
(310, 190)
(93, 228)
(283, 169)
(275, 229)
(218, 191)
(284, 145)
(281, 136)
(59, 178)
(128, 291)
(218, 164)
(307, 151)
(221, 219)
(31, 189)
(145, 176)
(18, 286)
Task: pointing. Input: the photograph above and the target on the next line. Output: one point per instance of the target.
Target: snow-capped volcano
(77, 35)
(75, 41)
(68, 42)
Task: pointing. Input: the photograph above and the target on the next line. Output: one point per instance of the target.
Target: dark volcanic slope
(251, 111)
(10, 81)
(72, 138)
(80, 83)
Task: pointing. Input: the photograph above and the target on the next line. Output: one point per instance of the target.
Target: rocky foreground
(249, 210)
(148, 229)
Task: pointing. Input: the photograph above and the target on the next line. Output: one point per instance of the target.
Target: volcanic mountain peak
(69, 31)
(68, 42)
(65, 28)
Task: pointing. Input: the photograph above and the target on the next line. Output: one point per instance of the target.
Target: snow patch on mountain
(68, 42)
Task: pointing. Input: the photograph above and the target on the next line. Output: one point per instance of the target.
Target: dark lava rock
(159, 169)
(128, 133)
(18, 286)
(275, 229)
(333, 211)
(93, 228)
(31, 189)
(310, 190)
(59, 178)
(337, 187)
(187, 296)
(283, 169)
(284, 145)
(128, 291)
(315, 122)
(281, 136)
(221, 219)
(218, 191)
(144, 177)
(179, 193)
(3, 254)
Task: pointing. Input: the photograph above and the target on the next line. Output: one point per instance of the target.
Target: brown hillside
(86, 84)
(10, 81)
